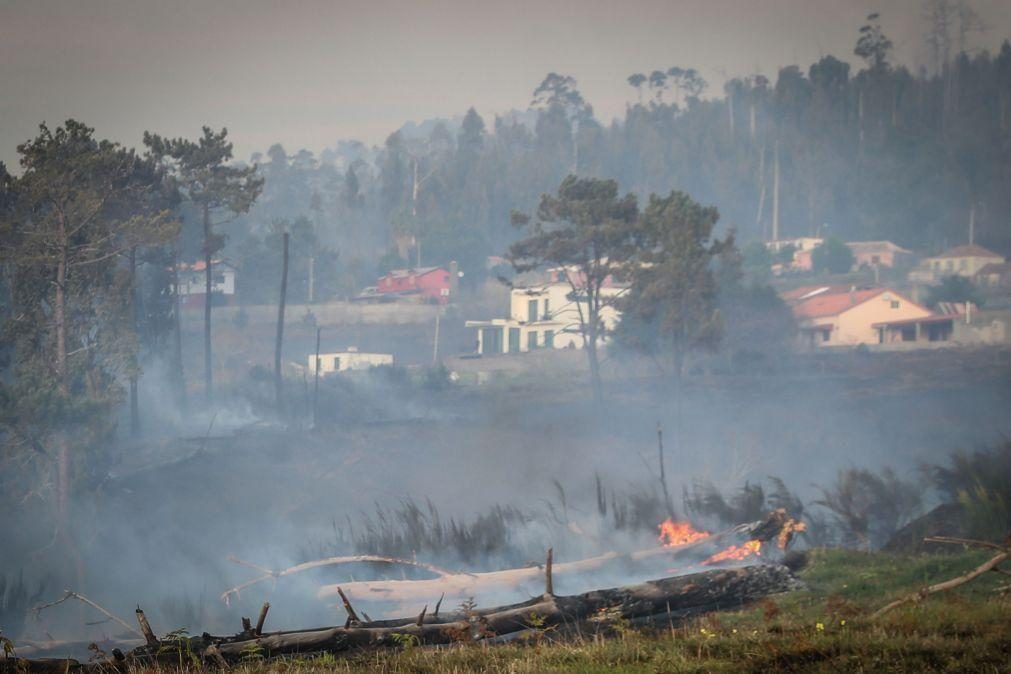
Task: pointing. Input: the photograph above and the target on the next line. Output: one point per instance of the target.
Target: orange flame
(679, 533)
(736, 552)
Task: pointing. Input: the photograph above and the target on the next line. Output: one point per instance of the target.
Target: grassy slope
(824, 628)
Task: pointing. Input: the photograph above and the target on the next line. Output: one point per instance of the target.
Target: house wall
(194, 282)
(433, 284)
(961, 266)
(881, 258)
(342, 361)
(854, 326)
(559, 307)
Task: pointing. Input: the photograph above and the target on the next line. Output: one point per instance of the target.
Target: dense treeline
(860, 152)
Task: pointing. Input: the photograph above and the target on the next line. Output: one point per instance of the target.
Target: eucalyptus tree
(219, 191)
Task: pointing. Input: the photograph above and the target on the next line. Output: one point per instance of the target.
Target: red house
(431, 283)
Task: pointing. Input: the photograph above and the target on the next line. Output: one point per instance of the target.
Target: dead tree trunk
(134, 405)
(208, 277)
(668, 599)
(278, 379)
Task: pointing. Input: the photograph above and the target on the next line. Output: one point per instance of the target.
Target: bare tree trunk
(663, 473)
(63, 449)
(775, 192)
(177, 335)
(761, 193)
(315, 383)
(730, 110)
(860, 114)
(278, 379)
(134, 405)
(1003, 112)
(208, 277)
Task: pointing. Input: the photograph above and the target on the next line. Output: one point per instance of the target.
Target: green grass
(824, 628)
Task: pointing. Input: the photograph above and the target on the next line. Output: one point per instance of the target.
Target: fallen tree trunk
(669, 599)
(664, 601)
(465, 585)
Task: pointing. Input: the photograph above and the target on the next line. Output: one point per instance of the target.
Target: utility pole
(278, 380)
(315, 383)
(435, 346)
(775, 193)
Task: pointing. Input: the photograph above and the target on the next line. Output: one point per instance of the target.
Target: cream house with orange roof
(839, 316)
(965, 261)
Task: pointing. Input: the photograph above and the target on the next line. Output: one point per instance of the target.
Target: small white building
(193, 282)
(351, 359)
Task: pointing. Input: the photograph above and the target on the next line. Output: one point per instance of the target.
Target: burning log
(687, 545)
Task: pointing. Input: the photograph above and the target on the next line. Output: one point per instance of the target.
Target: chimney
(454, 279)
(853, 295)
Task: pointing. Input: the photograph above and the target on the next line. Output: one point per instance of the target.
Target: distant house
(802, 247)
(965, 261)
(840, 316)
(430, 283)
(878, 253)
(995, 275)
(351, 359)
(542, 316)
(193, 283)
(865, 254)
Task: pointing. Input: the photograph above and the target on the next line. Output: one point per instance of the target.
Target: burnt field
(487, 477)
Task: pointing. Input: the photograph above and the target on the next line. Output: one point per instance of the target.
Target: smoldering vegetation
(487, 479)
(143, 464)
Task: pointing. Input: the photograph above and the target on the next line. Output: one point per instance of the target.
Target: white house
(542, 316)
(192, 281)
(351, 359)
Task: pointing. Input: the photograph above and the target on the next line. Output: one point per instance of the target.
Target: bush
(833, 256)
(954, 289)
(869, 508)
(981, 483)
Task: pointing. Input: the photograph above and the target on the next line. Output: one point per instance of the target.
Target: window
(549, 338)
(336, 364)
(826, 334)
(491, 340)
(963, 264)
(909, 333)
(895, 304)
(547, 309)
(531, 311)
(531, 340)
(875, 259)
(514, 340)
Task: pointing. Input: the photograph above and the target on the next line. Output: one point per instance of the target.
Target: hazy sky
(309, 73)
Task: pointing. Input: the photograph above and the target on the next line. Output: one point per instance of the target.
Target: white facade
(192, 280)
(544, 316)
(352, 359)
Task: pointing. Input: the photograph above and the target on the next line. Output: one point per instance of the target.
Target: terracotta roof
(833, 304)
(804, 292)
(200, 265)
(420, 271)
(971, 250)
(875, 246)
